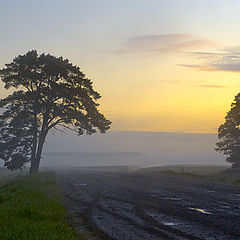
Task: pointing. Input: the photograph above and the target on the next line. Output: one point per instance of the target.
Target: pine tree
(229, 134)
(49, 92)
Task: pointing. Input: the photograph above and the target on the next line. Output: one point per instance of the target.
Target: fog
(117, 148)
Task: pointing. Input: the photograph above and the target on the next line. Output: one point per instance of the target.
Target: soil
(138, 205)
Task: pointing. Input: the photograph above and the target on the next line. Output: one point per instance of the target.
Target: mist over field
(130, 148)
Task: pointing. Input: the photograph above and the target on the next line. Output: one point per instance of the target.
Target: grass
(218, 174)
(229, 176)
(6, 175)
(30, 209)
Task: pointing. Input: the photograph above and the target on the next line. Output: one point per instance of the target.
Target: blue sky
(93, 24)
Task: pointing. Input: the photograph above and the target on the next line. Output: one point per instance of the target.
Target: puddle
(169, 224)
(172, 198)
(200, 210)
(225, 206)
(153, 195)
(210, 191)
(163, 219)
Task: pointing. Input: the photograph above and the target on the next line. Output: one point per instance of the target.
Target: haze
(130, 148)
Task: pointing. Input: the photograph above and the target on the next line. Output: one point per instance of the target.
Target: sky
(160, 65)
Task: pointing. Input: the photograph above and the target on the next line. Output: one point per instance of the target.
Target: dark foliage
(49, 93)
(229, 134)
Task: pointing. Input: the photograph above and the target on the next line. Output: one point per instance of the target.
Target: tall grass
(30, 209)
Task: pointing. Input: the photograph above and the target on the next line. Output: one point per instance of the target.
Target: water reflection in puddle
(225, 206)
(169, 224)
(172, 198)
(210, 191)
(200, 210)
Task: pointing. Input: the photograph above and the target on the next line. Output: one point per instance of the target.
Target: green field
(215, 173)
(189, 168)
(30, 208)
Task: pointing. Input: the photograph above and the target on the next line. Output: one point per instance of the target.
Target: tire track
(100, 199)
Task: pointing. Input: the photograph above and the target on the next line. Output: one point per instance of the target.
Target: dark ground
(138, 205)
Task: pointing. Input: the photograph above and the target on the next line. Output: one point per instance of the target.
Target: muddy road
(134, 205)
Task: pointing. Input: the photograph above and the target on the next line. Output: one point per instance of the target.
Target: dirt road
(134, 205)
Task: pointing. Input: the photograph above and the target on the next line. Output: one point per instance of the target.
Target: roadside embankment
(30, 208)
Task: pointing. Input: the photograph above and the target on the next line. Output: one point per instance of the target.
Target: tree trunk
(36, 160)
(34, 146)
(39, 147)
(34, 166)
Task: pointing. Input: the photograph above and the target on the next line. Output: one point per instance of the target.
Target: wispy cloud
(205, 55)
(194, 85)
(197, 67)
(212, 86)
(227, 60)
(165, 43)
(191, 46)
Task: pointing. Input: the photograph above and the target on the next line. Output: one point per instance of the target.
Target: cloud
(227, 59)
(206, 55)
(194, 85)
(229, 63)
(233, 50)
(165, 43)
(211, 86)
(197, 67)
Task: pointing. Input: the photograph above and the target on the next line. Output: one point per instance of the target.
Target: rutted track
(117, 205)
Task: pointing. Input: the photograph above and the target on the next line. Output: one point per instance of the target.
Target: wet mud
(133, 205)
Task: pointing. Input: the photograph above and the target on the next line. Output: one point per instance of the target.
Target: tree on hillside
(229, 134)
(49, 93)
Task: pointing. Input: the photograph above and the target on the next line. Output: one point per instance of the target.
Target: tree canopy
(229, 134)
(49, 93)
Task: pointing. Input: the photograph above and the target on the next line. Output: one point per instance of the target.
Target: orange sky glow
(159, 65)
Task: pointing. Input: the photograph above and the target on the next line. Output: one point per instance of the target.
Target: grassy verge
(216, 173)
(30, 209)
(225, 177)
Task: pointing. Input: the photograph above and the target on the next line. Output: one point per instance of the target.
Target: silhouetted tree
(52, 93)
(229, 134)
(16, 134)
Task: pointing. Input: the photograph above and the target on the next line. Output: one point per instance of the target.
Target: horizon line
(139, 131)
